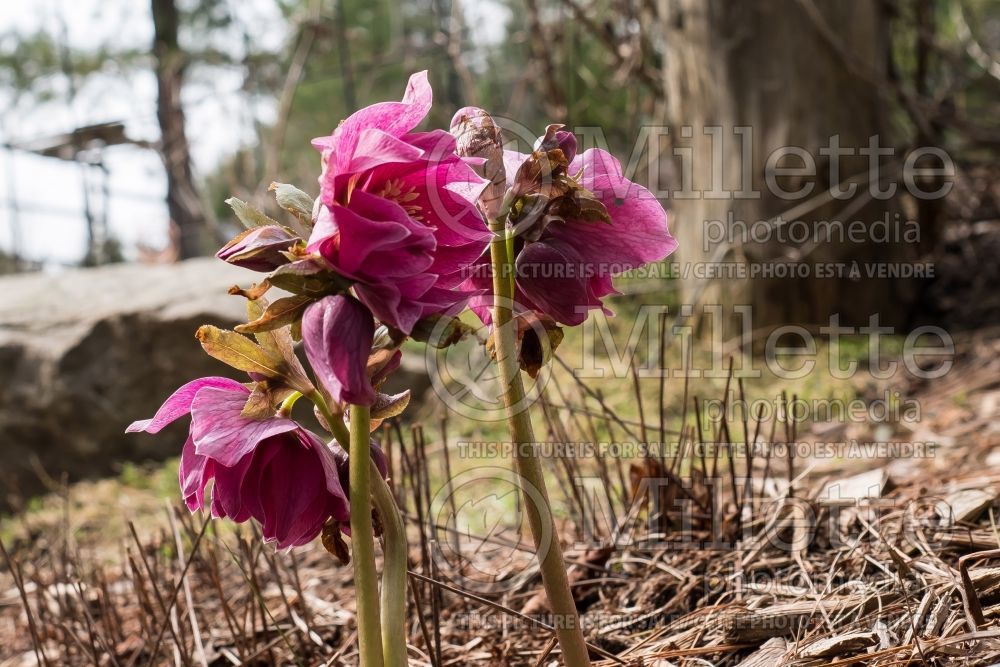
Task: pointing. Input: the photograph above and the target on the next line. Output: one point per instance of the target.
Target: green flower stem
(394, 568)
(286, 406)
(393, 604)
(334, 422)
(526, 462)
(363, 539)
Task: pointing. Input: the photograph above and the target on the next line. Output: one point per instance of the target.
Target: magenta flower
(586, 223)
(337, 334)
(271, 470)
(259, 249)
(397, 210)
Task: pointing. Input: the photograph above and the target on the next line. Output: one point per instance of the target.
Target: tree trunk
(183, 201)
(795, 74)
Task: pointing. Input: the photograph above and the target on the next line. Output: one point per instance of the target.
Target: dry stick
(748, 489)
(678, 455)
(597, 396)
(272, 565)
(602, 466)
(415, 590)
(156, 590)
(546, 650)
(559, 433)
(428, 548)
(748, 451)
(256, 596)
(584, 410)
(227, 611)
(663, 390)
(507, 610)
(701, 440)
(622, 485)
(297, 583)
(192, 617)
(95, 638)
(177, 587)
(789, 445)
(451, 496)
(252, 557)
(36, 640)
(770, 448)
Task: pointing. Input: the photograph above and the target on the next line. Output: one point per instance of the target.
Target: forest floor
(873, 540)
(884, 552)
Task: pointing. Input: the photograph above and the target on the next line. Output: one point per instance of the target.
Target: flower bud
(478, 137)
(556, 137)
(259, 249)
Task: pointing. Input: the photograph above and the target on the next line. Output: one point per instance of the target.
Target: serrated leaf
(293, 200)
(281, 313)
(239, 352)
(248, 215)
(278, 343)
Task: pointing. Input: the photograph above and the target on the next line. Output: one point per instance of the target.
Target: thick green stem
(394, 567)
(526, 461)
(363, 540)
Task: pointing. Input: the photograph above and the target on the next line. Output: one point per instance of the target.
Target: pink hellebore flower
(337, 333)
(396, 212)
(564, 264)
(271, 470)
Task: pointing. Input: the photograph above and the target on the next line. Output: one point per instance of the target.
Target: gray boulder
(85, 352)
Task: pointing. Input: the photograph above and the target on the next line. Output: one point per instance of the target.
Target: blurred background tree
(914, 72)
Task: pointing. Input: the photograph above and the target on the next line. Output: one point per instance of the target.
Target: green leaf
(248, 215)
(293, 200)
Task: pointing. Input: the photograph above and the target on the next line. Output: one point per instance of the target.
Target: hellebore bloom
(577, 221)
(396, 212)
(271, 470)
(337, 333)
(259, 249)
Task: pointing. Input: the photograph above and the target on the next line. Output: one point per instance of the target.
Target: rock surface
(85, 352)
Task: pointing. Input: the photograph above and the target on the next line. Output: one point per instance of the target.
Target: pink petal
(221, 433)
(638, 231)
(393, 118)
(193, 474)
(337, 333)
(179, 403)
(551, 277)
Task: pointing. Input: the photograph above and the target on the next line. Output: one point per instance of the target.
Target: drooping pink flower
(566, 254)
(397, 210)
(271, 470)
(337, 333)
